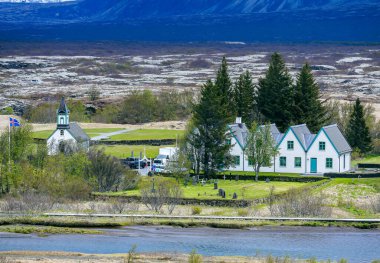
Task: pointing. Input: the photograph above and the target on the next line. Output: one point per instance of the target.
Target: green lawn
(368, 159)
(124, 151)
(244, 189)
(90, 132)
(148, 134)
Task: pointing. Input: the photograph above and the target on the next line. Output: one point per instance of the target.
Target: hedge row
(353, 175)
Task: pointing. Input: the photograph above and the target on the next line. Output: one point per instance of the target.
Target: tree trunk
(257, 170)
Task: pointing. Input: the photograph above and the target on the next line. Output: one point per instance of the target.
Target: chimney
(238, 120)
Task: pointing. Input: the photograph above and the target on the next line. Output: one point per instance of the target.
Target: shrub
(131, 254)
(195, 258)
(242, 212)
(300, 203)
(160, 191)
(196, 210)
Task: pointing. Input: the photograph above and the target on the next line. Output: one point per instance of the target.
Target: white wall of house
(56, 138)
(290, 155)
(322, 155)
(237, 151)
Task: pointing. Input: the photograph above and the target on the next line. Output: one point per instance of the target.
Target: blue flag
(14, 122)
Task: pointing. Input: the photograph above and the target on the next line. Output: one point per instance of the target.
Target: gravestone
(267, 180)
(195, 181)
(234, 196)
(215, 186)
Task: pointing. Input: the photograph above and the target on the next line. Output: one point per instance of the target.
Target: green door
(313, 165)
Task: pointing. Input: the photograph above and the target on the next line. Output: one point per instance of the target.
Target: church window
(62, 132)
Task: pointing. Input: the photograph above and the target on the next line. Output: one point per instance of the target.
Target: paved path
(105, 136)
(240, 218)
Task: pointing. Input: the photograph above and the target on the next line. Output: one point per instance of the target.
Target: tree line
(137, 107)
(276, 98)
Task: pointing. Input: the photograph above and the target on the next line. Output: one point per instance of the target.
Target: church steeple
(63, 121)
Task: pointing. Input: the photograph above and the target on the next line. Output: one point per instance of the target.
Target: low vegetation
(124, 151)
(151, 134)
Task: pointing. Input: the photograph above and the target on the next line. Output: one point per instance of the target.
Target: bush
(160, 191)
(196, 210)
(195, 258)
(300, 203)
(242, 212)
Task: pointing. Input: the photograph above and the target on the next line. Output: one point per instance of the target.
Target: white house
(68, 136)
(300, 151)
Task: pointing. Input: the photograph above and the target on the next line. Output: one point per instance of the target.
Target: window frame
(284, 159)
(290, 143)
(329, 163)
(324, 146)
(295, 162)
(236, 160)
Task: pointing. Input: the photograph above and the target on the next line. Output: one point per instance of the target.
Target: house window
(228, 141)
(329, 163)
(322, 146)
(62, 132)
(250, 161)
(236, 160)
(297, 162)
(283, 161)
(290, 145)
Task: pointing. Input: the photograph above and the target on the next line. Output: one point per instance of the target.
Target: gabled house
(300, 151)
(329, 152)
(69, 136)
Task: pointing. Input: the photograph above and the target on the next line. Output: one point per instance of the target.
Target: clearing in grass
(243, 189)
(124, 151)
(148, 134)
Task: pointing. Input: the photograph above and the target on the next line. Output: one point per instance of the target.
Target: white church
(300, 151)
(69, 136)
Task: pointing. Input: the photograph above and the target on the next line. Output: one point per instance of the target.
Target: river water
(297, 242)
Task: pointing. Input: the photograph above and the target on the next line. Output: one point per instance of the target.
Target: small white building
(300, 151)
(68, 137)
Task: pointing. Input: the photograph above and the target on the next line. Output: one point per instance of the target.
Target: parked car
(134, 162)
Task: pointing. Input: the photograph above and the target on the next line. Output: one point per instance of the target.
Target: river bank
(255, 243)
(69, 257)
(84, 223)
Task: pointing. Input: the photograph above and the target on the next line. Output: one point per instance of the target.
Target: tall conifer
(357, 131)
(245, 98)
(308, 104)
(210, 119)
(224, 88)
(276, 94)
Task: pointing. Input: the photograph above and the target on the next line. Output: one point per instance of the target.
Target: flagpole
(9, 142)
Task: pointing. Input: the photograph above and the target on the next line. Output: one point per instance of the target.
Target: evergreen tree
(309, 108)
(245, 98)
(210, 119)
(224, 88)
(357, 131)
(276, 94)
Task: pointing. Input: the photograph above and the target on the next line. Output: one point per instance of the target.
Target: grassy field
(91, 132)
(149, 134)
(244, 189)
(368, 159)
(124, 151)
